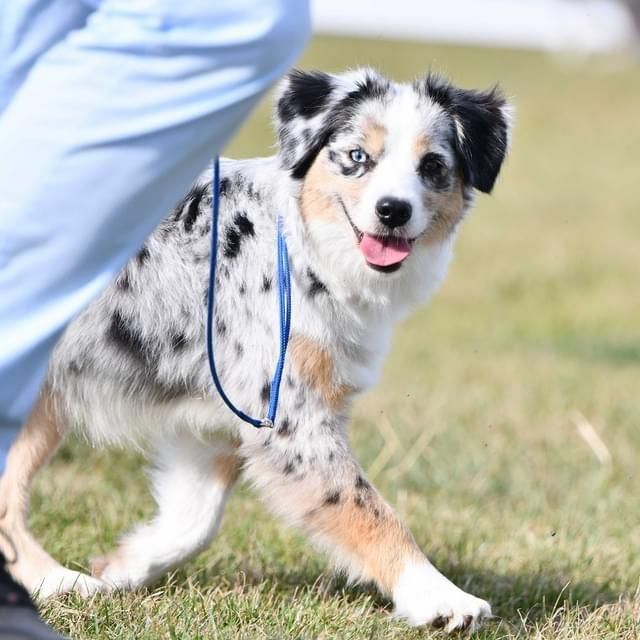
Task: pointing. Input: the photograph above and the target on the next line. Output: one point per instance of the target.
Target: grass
(471, 432)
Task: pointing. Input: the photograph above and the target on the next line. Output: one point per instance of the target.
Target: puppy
(372, 179)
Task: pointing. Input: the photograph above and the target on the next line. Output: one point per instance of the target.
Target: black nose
(393, 212)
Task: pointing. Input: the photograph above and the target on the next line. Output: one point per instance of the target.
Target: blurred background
(506, 427)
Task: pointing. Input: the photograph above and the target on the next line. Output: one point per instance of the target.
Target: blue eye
(358, 156)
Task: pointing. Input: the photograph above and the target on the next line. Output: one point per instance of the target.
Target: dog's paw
(112, 570)
(60, 580)
(118, 571)
(424, 596)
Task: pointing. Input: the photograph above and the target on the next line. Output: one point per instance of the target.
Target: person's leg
(28, 28)
(104, 136)
(101, 139)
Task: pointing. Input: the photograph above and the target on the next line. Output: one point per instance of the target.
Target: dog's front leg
(314, 483)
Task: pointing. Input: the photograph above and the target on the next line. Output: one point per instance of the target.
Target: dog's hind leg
(28, 562)
(191, 480)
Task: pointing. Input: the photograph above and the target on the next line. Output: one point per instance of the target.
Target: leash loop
(284, 296)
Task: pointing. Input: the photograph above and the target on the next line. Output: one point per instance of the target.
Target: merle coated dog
(372, 179)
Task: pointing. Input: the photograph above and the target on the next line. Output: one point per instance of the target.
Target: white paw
(61, 580)
(424, 596)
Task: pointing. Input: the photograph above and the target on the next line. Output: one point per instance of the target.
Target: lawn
(506, 428)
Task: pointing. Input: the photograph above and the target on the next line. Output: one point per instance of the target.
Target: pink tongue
(384, 251)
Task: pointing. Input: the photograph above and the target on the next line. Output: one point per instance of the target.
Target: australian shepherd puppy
(372, 179)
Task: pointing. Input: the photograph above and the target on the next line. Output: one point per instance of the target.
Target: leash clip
(266, 422)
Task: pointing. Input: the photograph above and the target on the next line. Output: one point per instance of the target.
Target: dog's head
(387, 170)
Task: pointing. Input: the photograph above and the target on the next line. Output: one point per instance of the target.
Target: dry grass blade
(589, 434)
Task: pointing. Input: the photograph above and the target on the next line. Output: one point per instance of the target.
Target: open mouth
(384, 253)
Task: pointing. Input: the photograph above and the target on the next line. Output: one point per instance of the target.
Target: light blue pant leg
(28, 28)
(104, 136)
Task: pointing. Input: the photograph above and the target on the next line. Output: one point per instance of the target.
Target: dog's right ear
(310, 106)
(302, 107)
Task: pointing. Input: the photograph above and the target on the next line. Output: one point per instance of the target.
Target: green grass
(470, 433)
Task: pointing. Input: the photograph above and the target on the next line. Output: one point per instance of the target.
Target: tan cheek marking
(448, 208)
(375, 135)
(315, 200)
(372, 533)
(321, 185)
(315, 367)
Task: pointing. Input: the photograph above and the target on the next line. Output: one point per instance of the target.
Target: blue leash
(284, 292)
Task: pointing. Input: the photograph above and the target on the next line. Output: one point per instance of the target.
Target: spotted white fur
(132, 369)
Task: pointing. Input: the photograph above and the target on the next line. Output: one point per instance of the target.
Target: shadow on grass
(516, 598)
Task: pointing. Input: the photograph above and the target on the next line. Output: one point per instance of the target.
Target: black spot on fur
(285, 429)
(361, 483)
(178, 341)
(242, 289)
(195, 199)
(307, 94)
(316, 286)
(483, 144)
(331, 456)
(225, 183)
(241, 228)
(266, 284)
(232, 243)
(143, 255)
(299, 458)
(289, 468)
(359, 502)
(123, 282)
(75, 368)
(238, 348)
(221, 327)
(124, 335)
(332, 498)
(244, 225)
(265, 392)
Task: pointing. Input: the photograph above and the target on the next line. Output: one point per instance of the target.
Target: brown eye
(434, 169)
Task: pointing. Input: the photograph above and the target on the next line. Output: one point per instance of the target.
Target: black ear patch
(481, 129)
(307, 94)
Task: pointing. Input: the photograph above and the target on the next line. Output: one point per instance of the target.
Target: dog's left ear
(482, 121)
